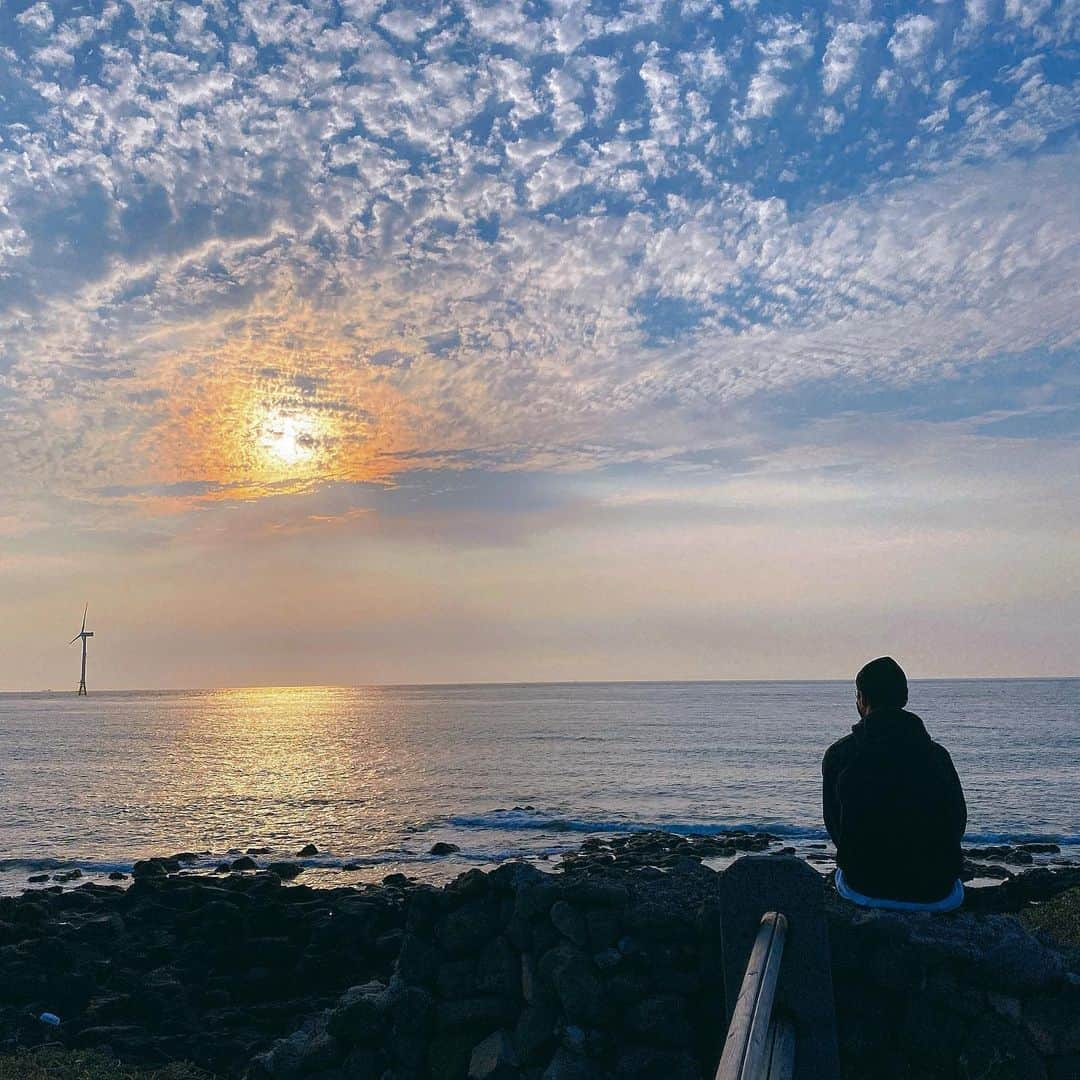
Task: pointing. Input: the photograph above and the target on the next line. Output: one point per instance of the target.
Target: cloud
(841, 59)
(912, 36)
(38, 17)
(787, 45)
(512, 238)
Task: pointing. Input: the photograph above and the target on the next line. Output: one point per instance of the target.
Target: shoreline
(245, 974)
(989, 857)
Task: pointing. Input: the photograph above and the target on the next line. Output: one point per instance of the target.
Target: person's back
(892, 801)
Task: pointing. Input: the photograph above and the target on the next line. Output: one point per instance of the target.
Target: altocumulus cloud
(552, 236)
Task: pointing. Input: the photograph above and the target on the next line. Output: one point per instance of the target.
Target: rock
(32, 914)
(360, 1015)
(577, 987)
(574, 1038)
(497, 969)
(307, 851)
(932, 1033)
(150, 868)
(473, 883)
(244, 863)
(256, 851)
(411, 1011)
(285, 870)
(895, 967)
(996, 1050)
(1066, 1067)
(456, 978)
(476, 1012)
(448, 1055)
(607, 959)
(388, 945)
(515, 875)
(470, 927)
(443, 848)
(661, 1020)
(1040, 849)
(36, 879)
(647, 1063)
(943, 990)
(1020, 964)
(1052, 1023)
(972, 870)
(361, 1062)
(417, 960)
(534, 1034)
(1005, 1006)
(570, 923)
(566, 1065)
(102, 928)
(186, 857)
(117, 875)
(494, 1058)
(304, 1052)
(604, 926)
(1017, 856)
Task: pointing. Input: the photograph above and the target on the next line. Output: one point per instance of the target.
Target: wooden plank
(782, 1049)
(746, 1050)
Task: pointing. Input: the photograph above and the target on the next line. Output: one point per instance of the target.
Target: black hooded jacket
(894, 807)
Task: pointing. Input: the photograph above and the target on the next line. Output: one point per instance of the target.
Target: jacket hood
(890, 726)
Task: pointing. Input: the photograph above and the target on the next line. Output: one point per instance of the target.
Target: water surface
(374, 776)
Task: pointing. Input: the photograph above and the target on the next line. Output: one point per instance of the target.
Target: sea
(375, 776)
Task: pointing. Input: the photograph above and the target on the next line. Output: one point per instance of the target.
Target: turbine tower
(83, 634)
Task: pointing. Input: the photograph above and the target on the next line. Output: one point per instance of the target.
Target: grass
(55, 1064)
(1058, 918)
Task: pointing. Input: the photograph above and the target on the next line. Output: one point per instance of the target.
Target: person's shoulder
(839, 751)
(940, 753)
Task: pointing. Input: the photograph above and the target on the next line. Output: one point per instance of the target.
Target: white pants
(947, 903)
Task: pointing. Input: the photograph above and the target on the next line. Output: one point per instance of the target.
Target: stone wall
(607, 973)
(966, 996)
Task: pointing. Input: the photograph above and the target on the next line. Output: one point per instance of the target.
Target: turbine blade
(84, 610)
(74, 639)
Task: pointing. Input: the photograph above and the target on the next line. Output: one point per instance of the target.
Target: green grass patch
(1058, 918)
(55, 1064)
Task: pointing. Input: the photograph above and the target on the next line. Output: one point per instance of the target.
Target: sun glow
(278, 410)
(288, 438)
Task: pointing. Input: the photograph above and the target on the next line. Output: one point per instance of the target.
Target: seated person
(893, 803)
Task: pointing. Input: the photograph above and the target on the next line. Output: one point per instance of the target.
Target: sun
(288, 438)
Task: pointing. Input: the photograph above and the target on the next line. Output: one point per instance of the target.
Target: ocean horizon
(376, 776)
(435, 684)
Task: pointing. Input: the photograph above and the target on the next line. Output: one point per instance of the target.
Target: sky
(357, 342)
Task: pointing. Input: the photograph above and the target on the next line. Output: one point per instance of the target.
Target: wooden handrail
(760, 1046)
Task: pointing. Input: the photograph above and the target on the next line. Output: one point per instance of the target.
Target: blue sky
(597, 308)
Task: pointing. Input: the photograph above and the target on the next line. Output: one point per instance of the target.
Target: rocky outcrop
(605, 969)
(963, 996)
(212, 970)
(599, 972)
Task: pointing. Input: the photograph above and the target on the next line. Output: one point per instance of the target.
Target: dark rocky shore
(609, 967)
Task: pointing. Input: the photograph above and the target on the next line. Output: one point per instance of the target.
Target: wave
(525, 819)
(1063, 839)
(528, 818)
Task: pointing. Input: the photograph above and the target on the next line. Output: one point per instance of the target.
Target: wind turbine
(83, 634)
